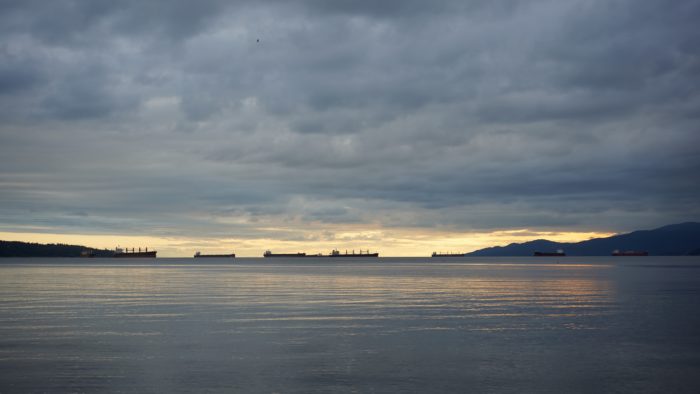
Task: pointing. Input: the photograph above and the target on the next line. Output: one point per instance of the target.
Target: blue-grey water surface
(506, 325)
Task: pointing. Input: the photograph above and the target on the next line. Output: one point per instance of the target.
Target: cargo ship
(270, 254)
(630, 253)
(125, 253)
(198, 254)
(336, 253)
(440, 254)
(557, 253)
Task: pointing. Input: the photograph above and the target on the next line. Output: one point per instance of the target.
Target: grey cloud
(65, 22)
(172, 117)
(15, 78)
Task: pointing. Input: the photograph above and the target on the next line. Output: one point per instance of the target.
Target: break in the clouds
(255, 118)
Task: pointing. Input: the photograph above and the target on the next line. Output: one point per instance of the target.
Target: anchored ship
(270, 254)
(440, 254)
(119, 252)
(198, 254)
(630, 253)
(557, 253)
(336, 253)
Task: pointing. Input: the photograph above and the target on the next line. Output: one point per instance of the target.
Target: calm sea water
(583, 325)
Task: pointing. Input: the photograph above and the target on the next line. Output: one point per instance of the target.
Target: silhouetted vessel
(436, 254)
(630, 253)
(270, 254)
(336, 253)
(198, 254)
(125, 253)
(557, 253)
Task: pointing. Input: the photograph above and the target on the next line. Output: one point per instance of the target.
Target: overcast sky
(293, 121)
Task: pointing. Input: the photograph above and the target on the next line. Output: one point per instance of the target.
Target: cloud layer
(253, 119)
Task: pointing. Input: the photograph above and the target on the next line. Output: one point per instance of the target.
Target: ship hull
(135, 255)
(216, 255)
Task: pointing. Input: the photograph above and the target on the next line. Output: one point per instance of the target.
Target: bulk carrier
(198, 255)
(557, 253)
(336, 253)
(270, 254)
(630, 253)
(125, 253)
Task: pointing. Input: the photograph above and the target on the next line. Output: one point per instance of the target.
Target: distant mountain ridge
(672, 240)
(26, 249)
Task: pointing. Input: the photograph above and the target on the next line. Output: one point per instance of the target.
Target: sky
(404, 127)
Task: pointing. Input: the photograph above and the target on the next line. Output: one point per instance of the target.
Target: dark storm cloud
(221, 117)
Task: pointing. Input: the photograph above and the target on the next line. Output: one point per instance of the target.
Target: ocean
(481, 325)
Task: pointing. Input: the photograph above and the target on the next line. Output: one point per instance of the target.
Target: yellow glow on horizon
(97, 241)
(404, 242)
